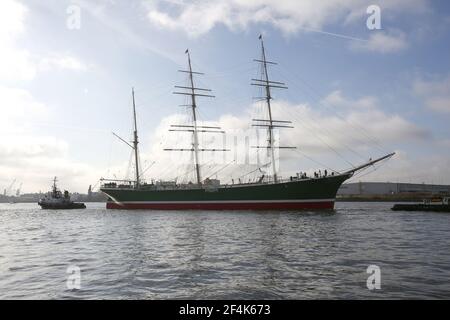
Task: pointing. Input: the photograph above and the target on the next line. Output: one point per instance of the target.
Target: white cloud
(388, 8)
(18, 64)
(12, 15)
(123, 31)
(435, 92)
(336, 99)
(289, 16)
(15, 64)
(17, 107)
(383, 42)
(356, 123)
(25, 154)
(445, 143)
(45, 158)
(161, 19)
(62, 62)
(35, 158)
(315, 131)
(20, 149)
(440, 104)
(32, 157)
(405, 167)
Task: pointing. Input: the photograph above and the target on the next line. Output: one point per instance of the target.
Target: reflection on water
(230, 255)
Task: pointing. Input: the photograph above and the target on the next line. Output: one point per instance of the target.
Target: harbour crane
(18, 190)
(10, 187)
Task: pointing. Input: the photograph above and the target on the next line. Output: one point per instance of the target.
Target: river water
(222, 255)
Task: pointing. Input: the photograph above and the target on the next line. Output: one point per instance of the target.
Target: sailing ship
(270, 192)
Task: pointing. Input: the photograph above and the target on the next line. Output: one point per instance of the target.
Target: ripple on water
(223, 255)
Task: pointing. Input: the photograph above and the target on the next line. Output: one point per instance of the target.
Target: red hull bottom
(224, 206)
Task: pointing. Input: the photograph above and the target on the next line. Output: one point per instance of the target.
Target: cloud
(435, 92)
(44, 158)
(62, 62)
(289, 16)
(12, 16)
(103, 12)
(18, 107)
(336, 99)
(35, 158)
(31, 157)
(440, 104)
(318, 133)
(383, 42)
(445, 143)
(25, 154)
(18, 64)
(18, 150)
(408, 168)
(15, 64)
(358, 124)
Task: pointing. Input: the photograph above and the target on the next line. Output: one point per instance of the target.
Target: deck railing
(172, 185)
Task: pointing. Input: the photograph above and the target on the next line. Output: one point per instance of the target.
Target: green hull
(317, 193)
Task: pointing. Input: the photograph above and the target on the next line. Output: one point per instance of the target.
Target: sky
(359, 88)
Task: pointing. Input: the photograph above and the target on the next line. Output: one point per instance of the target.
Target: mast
(135, 141)
(54, 187)
(269, 108)
(194, 117)
(269, 123)
(192, 91)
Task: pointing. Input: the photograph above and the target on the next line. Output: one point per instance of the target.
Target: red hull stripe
(223, 205)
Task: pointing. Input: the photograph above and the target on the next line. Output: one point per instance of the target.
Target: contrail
(343, 36)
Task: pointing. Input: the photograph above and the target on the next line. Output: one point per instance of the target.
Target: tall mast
(194, 117)
(192, 91)
(269, 123)
(269, 108)
(135, 140)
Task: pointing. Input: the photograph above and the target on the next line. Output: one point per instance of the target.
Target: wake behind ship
(269, 192)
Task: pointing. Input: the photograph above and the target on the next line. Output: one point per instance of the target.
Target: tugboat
(435, 204)
(56, 200)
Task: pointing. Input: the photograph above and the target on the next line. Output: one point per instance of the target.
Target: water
(229, 255)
